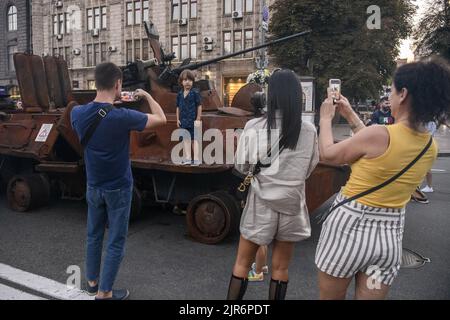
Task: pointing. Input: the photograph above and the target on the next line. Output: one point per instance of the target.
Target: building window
(145, 10)
(145, 51)
(12, 18)
(175, 46)
(129, 48)
(137, 49)
(193, 10)
(238, 5)
(67, 55)
(96, 18)
(55, 24)
(193, 46)
(184, 9)
(89, 55)
(248, 6)
(248, 42)
(96, 54)
(11, 51)
(237, 41)
(129, 13)
(137, 12)
(104, 21)
(184, 47)
(67, 19)
(227, 42)
(90, 24)
(104, 51)
(227, 7)
(175, 9)
(61, 23)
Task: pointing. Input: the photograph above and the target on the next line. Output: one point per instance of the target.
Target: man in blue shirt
(109, 176)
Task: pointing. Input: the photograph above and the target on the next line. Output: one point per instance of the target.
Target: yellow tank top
(404, 146)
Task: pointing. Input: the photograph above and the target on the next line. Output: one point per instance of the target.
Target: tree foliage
(341, 45)
(433, 30)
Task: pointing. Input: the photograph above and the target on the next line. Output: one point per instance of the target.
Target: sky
(405, 47)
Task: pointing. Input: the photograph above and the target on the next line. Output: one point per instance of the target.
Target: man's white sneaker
(427, 189)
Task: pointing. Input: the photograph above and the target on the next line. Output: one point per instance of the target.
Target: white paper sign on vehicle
(44, 132)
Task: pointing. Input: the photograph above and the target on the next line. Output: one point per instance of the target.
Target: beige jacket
(282, 186)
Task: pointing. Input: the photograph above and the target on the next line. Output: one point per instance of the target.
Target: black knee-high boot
(237, 288)
(277, 290)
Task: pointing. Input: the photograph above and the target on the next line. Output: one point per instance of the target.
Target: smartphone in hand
(335, 86)
(128, 96)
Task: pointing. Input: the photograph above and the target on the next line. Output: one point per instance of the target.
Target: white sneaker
(427, 189)
(196, 163)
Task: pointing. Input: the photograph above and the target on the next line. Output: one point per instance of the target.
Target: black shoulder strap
(384, 184)
(260, 165)
(101, 114)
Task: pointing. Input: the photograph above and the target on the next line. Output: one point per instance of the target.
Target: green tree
(341, 45)
(433, 30)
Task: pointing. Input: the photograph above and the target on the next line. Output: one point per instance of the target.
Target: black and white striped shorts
(358, 238)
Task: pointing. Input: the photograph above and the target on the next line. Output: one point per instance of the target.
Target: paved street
(162, 263)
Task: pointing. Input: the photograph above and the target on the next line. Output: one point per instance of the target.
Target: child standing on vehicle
(189, 113)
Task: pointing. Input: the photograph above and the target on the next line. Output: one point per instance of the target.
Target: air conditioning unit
(76, 52)
(95, 32)
(182, 22)
(59, 36)
(208, 40)
(59, 4)
(237, 15)
(208, 47)
(112, 48)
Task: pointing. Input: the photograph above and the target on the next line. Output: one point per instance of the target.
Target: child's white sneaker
(196, 163)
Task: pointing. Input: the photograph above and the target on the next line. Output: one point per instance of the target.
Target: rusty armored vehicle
(41, 157)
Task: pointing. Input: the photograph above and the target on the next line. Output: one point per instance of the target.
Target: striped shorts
(358, 238)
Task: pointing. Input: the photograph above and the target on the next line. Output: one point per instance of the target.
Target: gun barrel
(268, 44)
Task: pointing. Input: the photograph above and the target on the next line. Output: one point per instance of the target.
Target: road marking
(46, 286)
(8, 293)
(438, 170)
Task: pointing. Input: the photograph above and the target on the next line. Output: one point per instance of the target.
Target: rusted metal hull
(40, 140)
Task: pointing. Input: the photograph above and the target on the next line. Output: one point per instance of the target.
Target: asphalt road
(162, 263)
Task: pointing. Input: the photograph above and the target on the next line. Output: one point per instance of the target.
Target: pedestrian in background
(432, 128)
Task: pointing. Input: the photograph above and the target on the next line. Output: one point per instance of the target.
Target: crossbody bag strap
(380, 186)
(101, 114)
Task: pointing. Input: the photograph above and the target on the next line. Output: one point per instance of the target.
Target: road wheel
(27, 192)
(136, 204)
(212, 217)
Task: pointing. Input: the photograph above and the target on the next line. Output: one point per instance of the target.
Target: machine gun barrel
(268, 44)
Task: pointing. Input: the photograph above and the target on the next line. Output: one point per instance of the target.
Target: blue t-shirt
(188, 107)
(107, 159)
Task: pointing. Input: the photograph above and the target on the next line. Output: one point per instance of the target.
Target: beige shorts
(261, 224)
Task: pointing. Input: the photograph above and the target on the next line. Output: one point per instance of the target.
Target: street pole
(261, 61)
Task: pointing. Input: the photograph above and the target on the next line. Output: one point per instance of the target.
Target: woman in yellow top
(363, 238)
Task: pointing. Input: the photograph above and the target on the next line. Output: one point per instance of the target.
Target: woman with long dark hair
(362, 239)
(275, 209)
